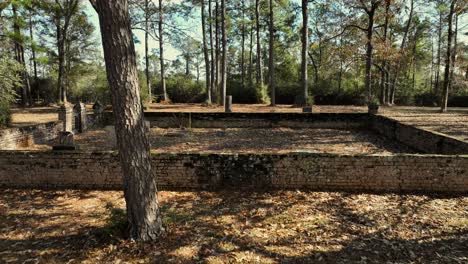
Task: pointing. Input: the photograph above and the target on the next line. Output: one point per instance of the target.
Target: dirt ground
(248, 140)
(236, 227)
(453, 123)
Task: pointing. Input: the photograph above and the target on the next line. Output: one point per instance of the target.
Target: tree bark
(259, 44)
(147, 62)
(205, 53)
(439, 49)
(448, 59)
(33, 50)
(140, 189)
(383, 92)
(161, 51)
(224, 58)
(305, 44)
(251, 54)
(370, 32)
(271, 59)
(218, 55)
(243, 46)
(454, 52)
(212, 71)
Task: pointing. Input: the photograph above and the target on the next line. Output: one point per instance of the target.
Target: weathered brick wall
(425, 173)
(417, 138)
(22, 137)
(259, 120)
(13, 138)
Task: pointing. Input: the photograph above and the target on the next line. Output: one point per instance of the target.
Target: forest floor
(236, 227)
(453, 123)
(247, 140)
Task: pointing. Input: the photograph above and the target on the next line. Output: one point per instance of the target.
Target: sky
(171, 53)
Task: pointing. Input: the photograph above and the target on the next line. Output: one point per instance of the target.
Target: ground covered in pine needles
(251, 140)
(236, 227)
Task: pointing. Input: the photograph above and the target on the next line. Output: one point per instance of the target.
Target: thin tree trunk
(33, 50)
(403, 44)
(243, 46)
(147, 62)
(370, 32)
(454, 52)
(251, 54)
(271, 64)
(448, 63)
(213, 68)
(259, 44)
(383, 92)
(439, 49)
(218, 55)
(305, 43)
(161, 51)
(224, 58)
(432, 64)
(205, 53)
(140, 189)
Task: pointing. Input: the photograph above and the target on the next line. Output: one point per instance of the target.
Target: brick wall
(417, 138)
(424, 173)
(17, 137)
(259, 120)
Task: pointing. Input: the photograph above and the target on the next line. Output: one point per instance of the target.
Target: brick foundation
(396, 173)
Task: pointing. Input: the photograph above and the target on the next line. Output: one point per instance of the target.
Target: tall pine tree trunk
(271, 59)
(224, 58)
(140, 190)
(383, 92)
(205, 53)
(439, 52)
(147, 62)
(251, 54)
(212, 65)
(305, 44)
(161, 51)
(259, 44)
(243, 46)
(370, 32)
(448, 58)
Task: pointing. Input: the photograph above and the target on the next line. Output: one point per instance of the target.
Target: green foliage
(9, 80)
(182, 89)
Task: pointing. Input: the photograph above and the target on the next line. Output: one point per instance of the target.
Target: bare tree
(140, 189)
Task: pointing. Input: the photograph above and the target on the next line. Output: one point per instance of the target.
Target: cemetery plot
(250, 140)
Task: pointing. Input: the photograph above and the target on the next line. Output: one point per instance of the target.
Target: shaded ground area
(250, 140)
(236, 227)
(453, 123)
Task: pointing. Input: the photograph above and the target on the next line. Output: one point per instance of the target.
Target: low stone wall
(18, 137)
(258, 120)
(397, 173)
(417, 138)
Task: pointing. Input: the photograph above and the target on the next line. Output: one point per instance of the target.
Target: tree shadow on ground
(248, 227)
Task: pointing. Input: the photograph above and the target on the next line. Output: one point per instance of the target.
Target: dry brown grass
(236, 227)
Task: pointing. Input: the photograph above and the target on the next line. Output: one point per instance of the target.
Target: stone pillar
(228, 105)
(66, 116)
(81, 117)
